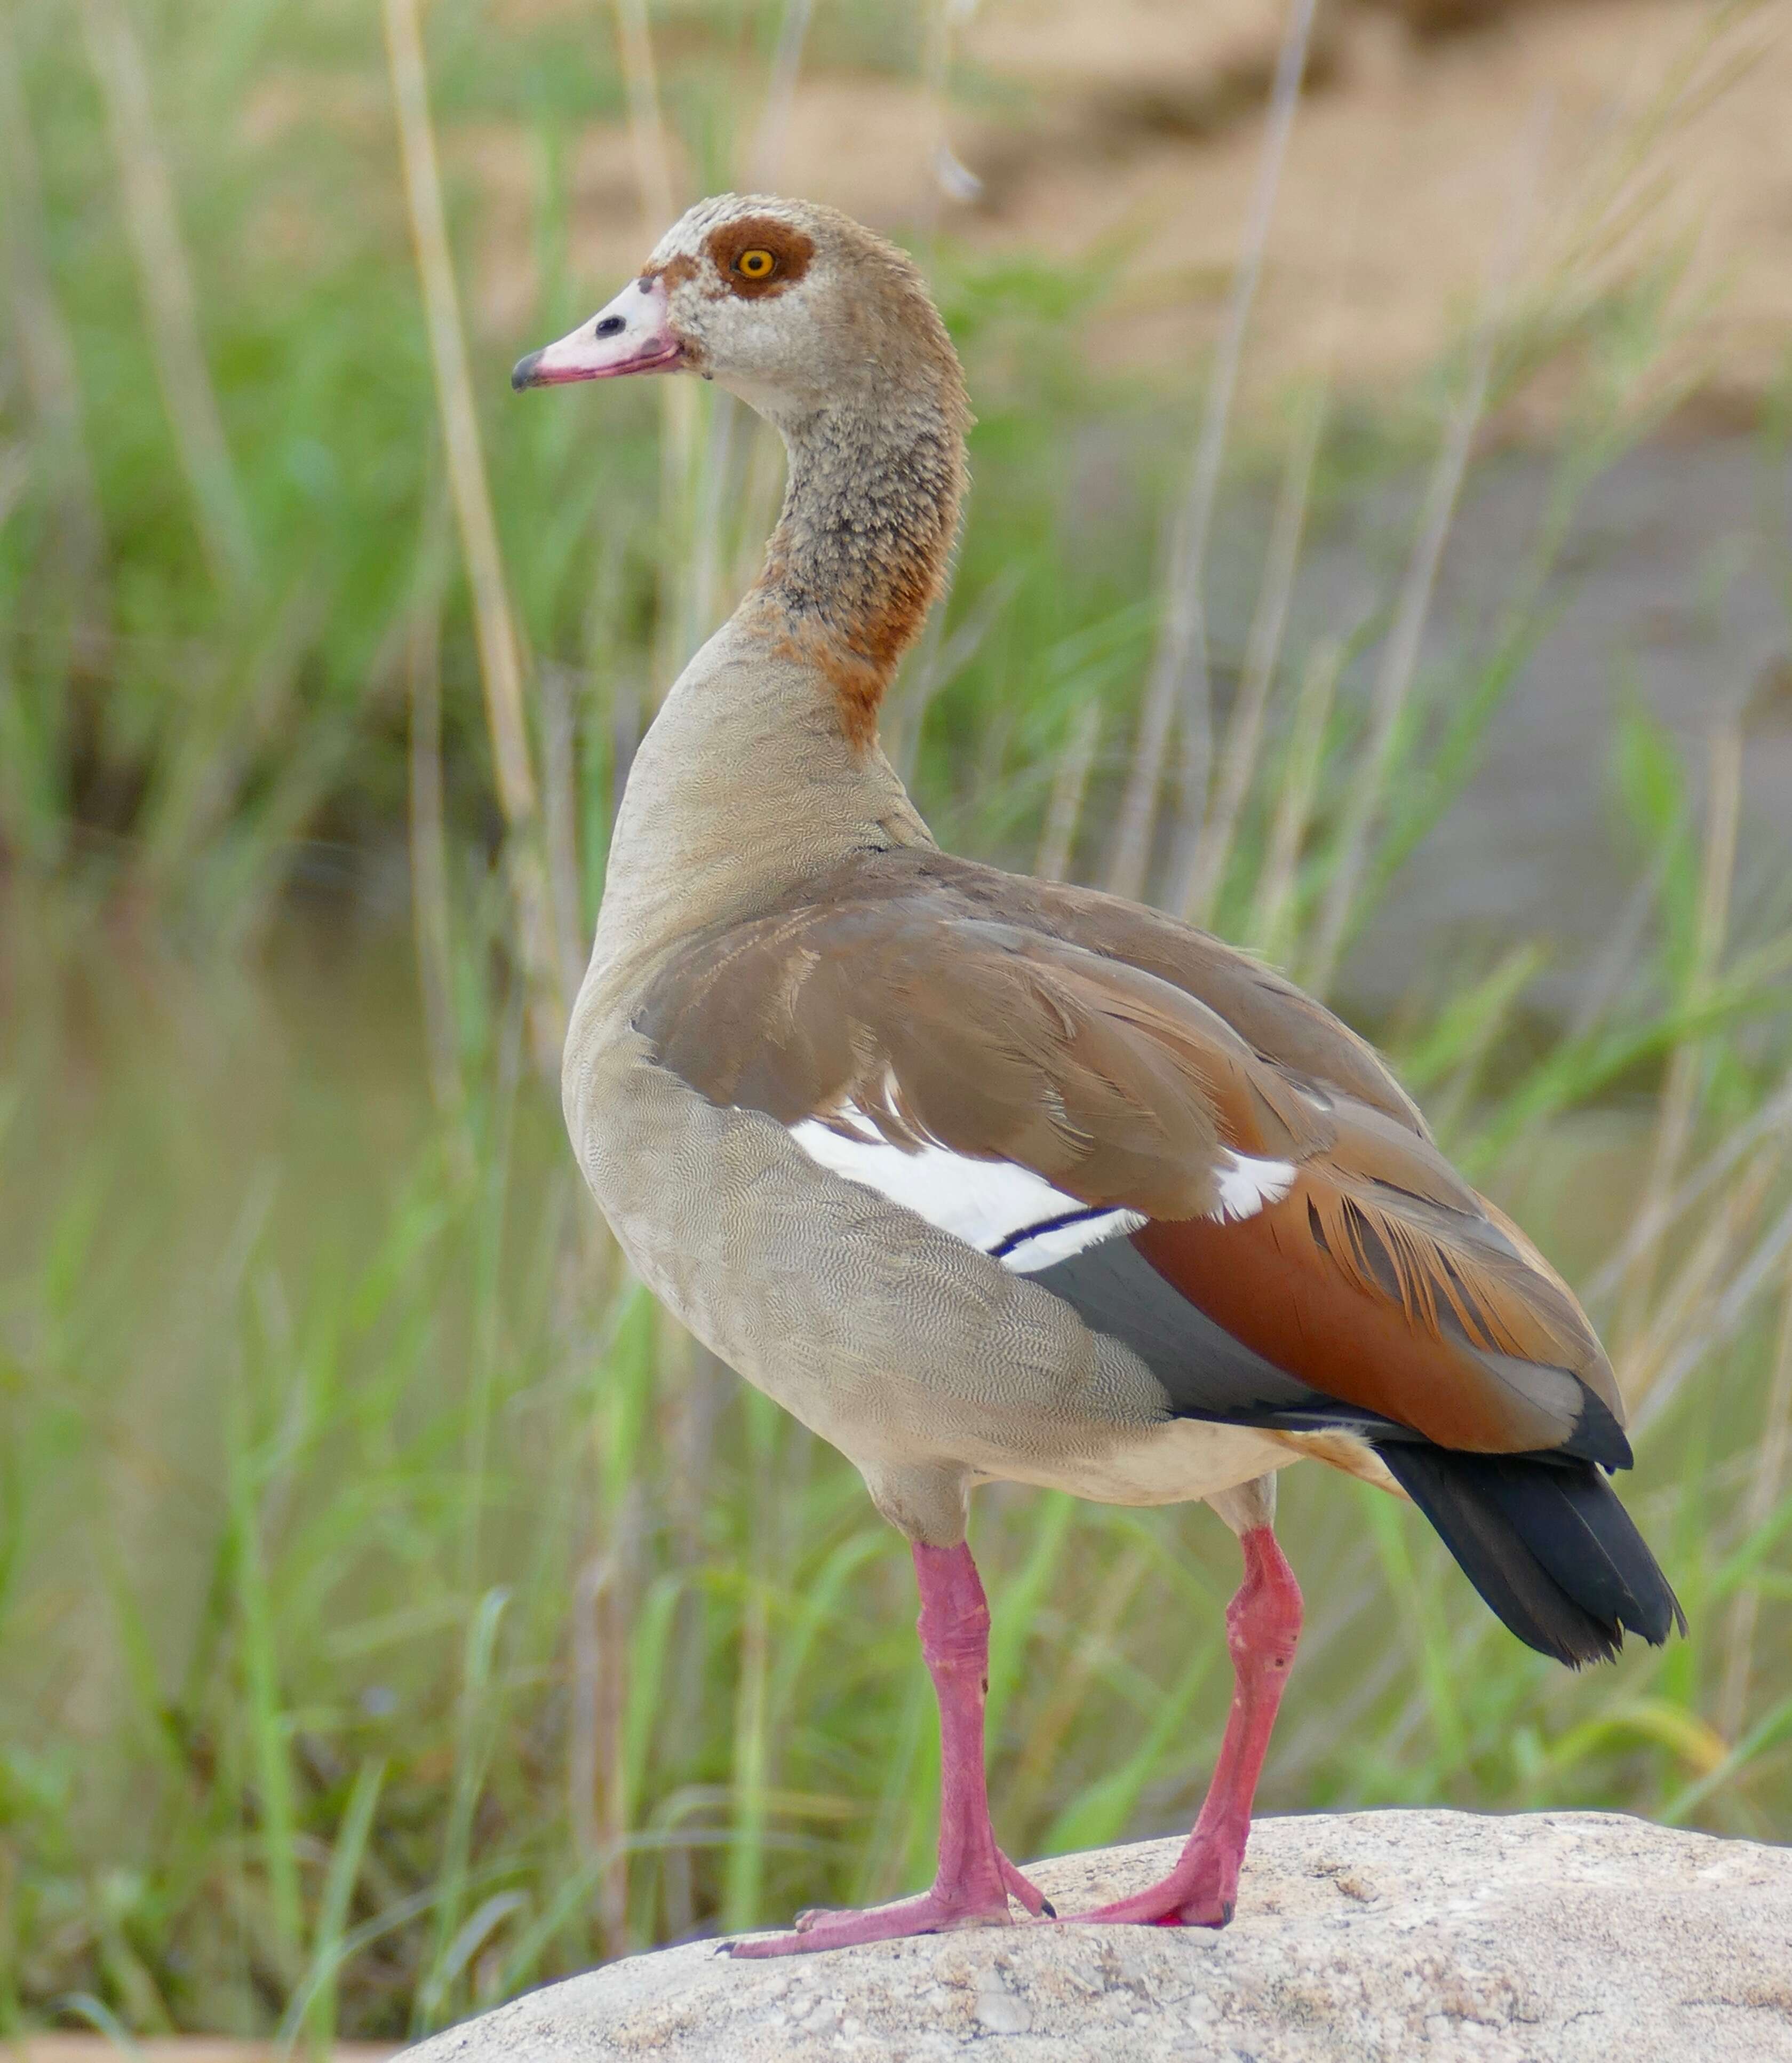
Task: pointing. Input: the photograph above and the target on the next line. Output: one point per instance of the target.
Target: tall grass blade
(1400, 658)
(1273, 915)
(264, 1714)
(560, 690)
(650, 144)
(1680, 1090)
(165, 281)
(1178, 681)
(1194, 896)
(317, 2015)
(1769, 1482)
(473, 1745)
(1774, 1117)
(431, 926)
(1719, 1323)
(765, 157)
(647, 131)
(1069, 787)
(499, 651)
(51, 375)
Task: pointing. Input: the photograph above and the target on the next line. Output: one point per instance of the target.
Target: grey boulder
(1371, 1937)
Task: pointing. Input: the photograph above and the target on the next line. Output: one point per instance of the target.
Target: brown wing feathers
(996, 1043)
(918, 998)
(1275, 1020)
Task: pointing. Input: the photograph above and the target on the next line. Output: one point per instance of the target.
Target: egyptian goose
(993, 1180)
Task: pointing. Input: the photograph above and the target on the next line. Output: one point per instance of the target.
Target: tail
(1546, 1543)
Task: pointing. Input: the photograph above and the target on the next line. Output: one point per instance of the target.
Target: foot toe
(817, 1932)
(1181, 1900)
(1024, 1890)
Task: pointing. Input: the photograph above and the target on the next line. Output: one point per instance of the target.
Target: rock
(1376, 1938)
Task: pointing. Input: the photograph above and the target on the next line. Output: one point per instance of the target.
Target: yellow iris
(756, 264)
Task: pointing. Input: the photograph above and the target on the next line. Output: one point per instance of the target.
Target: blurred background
(1381, 549)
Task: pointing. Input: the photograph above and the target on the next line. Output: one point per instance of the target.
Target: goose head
(793, 307)
(830, 333)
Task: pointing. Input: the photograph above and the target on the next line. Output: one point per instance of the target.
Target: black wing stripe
(1022, 1234)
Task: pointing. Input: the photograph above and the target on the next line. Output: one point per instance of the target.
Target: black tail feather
(1547, 1544)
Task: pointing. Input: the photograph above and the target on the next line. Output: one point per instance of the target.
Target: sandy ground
(1592, 137)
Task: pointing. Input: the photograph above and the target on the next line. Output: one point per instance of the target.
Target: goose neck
(862, 546)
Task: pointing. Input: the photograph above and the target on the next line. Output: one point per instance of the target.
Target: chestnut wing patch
(1383, 1280)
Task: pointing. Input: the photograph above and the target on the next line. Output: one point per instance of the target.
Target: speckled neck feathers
(860, 553)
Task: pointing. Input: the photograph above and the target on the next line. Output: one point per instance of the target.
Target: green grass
(395, 1609)
(399, 1611)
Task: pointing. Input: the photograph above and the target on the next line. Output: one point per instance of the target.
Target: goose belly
(1174, 1463)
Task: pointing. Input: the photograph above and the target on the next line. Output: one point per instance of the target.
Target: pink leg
(972, 1884)
(1263, 1624)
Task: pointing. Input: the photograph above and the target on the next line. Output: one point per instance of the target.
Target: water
(180, 1132)
(1672, 594)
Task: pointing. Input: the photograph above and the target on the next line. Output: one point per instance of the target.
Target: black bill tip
(522, 373)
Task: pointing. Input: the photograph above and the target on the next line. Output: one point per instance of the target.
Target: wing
(1287, 1254)
(1278, 1022)
(958, 1053)
(1241, 1195)
(1205, 1167)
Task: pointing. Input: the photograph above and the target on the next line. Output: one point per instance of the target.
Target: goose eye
(756, 264)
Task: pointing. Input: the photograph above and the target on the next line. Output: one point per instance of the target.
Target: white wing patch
(1003, 1209)
(1246, 1185)
(1006, 1210)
